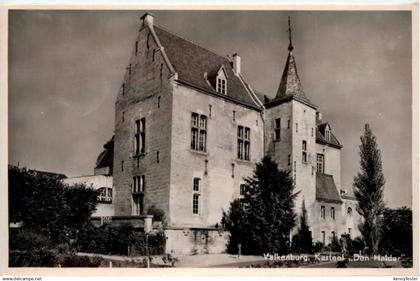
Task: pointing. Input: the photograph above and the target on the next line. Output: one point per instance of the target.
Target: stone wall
(220, 181)
(196, 241)
(332, 162)
(147, 93)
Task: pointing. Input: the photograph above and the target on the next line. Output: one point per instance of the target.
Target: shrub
(158, 214)
(120, 240)
(42, 257)
(26, 239)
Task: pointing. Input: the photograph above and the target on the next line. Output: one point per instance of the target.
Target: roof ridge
(190, 41)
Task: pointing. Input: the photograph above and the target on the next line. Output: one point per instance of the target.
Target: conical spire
(290, 83)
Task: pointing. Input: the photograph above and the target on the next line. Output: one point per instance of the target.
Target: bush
(77, 261)
(26, 239)
(120, 240)
(317, 247)
(42, 257)
(158, 214)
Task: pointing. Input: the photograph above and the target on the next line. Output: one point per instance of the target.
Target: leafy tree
(302, 241)
(262, 221)
(397, 237)
(369, 188)
(46, 205)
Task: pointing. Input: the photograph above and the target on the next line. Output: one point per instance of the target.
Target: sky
(65, 69)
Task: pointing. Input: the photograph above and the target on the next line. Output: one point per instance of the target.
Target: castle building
(189, 128)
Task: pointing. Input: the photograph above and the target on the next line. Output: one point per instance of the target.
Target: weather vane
(290, 36)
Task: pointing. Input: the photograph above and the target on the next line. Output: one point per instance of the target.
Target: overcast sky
(65, 68)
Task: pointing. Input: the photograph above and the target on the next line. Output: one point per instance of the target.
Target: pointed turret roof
(290, 86)
(290, 83)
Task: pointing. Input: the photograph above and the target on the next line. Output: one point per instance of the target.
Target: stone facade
(193, 176)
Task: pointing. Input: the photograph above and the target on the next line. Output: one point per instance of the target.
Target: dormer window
(217, 78)
(327, 133)
(221, 85)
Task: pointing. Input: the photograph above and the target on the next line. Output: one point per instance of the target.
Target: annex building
(189, 128)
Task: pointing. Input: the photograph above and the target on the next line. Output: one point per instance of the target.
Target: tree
(302, 240)
(262, 220)
(397, 238)
(47, 206)
(369, 187)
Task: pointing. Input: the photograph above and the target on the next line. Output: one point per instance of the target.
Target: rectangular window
(296, 127)
(122, 166)
(320, 163)
(288, 124)
(196, 195)
(139, 183)
(304, 152)
(323, 237)
(196, 199)
(140, 136)
(323, 212)
(289, 160)
(242, 190)
(333, 213)
(137, 47)
(122, 116)
(196, 184)
(221, 86)
(143, 135)
(198, 132)
(244, 142)
(332, 236)
(312, 132)
(277, 128)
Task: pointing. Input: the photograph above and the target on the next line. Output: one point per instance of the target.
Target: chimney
(147, 19)
(236, 64)
(318, 117)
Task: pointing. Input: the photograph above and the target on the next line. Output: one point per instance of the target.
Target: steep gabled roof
(191, 62)
(320, 136)
(326, 190)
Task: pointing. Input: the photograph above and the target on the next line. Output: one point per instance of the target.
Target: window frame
(196, 195)
(244, 143)
(323, 212)
(304, 151)
(221, 85)
(277, 128)
(199, 125)
(332, 213)
(320, 163)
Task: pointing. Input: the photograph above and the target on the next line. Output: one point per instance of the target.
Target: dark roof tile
(191, 61)
(326, 190)
(320, 133)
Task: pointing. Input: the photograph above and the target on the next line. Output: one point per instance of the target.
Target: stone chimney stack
(147, 19)
(236, 64)
(318, 117)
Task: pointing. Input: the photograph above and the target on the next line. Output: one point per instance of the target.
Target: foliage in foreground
(44, 204)
(368, 190)
(262, 220)
(397, 237)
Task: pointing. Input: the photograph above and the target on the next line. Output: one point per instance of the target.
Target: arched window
(349, 211)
